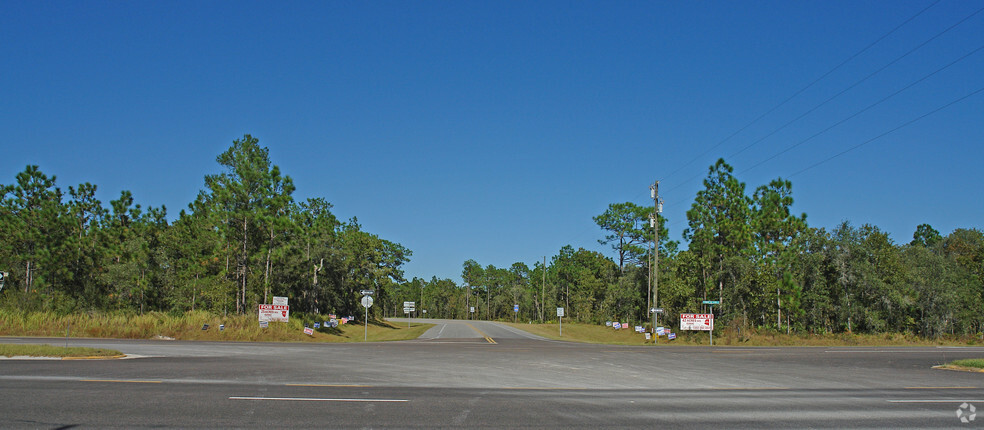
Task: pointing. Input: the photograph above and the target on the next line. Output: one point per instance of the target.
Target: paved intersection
(482, 374)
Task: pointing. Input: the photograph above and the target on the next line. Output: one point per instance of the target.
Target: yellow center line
(122, 380)
(487, 338)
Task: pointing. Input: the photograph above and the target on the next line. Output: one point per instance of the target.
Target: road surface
(470, 374)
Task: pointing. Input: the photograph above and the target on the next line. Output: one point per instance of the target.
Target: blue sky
(494, 131)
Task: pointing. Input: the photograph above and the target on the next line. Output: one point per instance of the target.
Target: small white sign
(560, 312)
(280, 301)
(367, 301)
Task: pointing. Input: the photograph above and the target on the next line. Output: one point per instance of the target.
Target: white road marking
(312, 399)
(936, 401)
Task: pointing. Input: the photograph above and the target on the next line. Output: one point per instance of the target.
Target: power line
(865, 109)
(886, 133)
(808, 86)
(859, 82)
(903, 125)
(897, 59)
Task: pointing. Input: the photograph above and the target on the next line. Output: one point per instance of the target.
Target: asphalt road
(464, 374)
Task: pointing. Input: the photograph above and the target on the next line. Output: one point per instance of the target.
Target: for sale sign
(278, 313)
(703, 322)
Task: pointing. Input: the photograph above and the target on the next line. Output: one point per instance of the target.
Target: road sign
(367, 302)
(656, 310)
(712, 302)
(560, 312)
(275, 313)
(367, 292)
(472, 309)
(704, 322)
(409, 305)
(515, 308)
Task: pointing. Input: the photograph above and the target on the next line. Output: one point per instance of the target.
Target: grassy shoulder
(596, 333)
(190, 326)
(968, 365)
(12, 350)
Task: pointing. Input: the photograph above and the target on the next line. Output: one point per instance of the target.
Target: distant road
(469, 374)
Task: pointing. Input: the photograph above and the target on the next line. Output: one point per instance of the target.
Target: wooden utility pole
(543, 289)
(654, 222)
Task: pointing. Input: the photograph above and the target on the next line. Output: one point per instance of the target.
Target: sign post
(710, 304)
(515, 313)
(560, 315)
(655, 311)
(408, 308)
(367, 302)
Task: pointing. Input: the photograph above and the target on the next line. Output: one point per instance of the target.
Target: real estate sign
(703, 322)
(276, 313)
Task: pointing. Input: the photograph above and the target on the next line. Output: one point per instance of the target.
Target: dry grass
(188, 326)
(595, 333)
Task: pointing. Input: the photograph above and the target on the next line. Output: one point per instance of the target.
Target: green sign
(712, 302)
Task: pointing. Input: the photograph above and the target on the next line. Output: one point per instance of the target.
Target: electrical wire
(899, 127)
(808, 86)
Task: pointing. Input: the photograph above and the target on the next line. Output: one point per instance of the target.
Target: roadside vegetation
(123, 270)
(601, 334)
(968, 365)
(189, 326)
(16, 350)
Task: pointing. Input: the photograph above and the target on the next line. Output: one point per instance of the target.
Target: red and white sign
(277, 313)
(309, 331)
(703, 322)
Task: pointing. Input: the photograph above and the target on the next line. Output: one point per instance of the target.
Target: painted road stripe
(329, 385)
(940, 388)
(312, 399)
(548, 388)
(937, 401)
(487, 338)
(751, 388)
(129, 381)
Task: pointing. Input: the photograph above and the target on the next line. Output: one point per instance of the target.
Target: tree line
(245, 238)
(763, 263)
